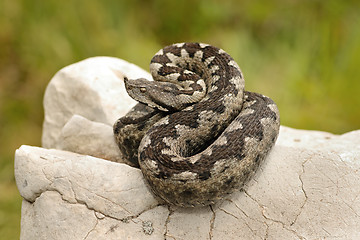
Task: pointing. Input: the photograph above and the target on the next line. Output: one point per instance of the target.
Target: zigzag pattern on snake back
(196, 134)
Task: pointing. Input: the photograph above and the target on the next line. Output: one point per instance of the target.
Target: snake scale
(195, 133)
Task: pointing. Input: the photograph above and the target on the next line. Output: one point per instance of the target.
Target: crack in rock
(93, 228)
(78, 201)
(243, 212)
(263, 209)
(266, 231)
(283, 225)
(303, 190)
(212, 221)
(244, 221)
(171, 211)
(228, 213)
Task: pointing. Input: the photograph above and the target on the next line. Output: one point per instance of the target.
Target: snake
(196, 134)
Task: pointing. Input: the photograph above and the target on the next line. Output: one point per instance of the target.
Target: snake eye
(142, 89)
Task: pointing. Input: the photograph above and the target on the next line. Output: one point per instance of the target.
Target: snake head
(143, 90)
(165, 96)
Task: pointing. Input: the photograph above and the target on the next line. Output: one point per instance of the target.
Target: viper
(196, 134)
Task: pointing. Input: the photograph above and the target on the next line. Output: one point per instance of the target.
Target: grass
(304, 54)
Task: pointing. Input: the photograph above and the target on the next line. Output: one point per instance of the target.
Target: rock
(53, 208)
(83, 136)
(307, 188)
(299, 193)
(93, 89)
(99, 184)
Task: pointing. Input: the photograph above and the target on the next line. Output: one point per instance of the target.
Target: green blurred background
(304, 54)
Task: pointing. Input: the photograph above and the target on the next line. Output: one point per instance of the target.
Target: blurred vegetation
(304, 54)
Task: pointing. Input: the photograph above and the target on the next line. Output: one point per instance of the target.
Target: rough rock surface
(308, 187)
(83, 136)
(92, 88)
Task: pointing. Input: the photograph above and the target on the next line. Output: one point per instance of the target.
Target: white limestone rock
(299, 193)
(80, 135)
(307, 188)
(99, 184)
(92, 88)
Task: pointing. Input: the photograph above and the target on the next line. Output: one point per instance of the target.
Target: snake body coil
(196, 134)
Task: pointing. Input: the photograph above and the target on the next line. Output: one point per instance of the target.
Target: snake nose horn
(126, 82)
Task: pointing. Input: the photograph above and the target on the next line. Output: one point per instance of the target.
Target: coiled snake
(196, 134)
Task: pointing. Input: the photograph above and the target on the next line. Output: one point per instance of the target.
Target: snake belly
(196, 134)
